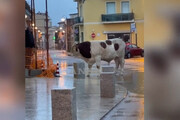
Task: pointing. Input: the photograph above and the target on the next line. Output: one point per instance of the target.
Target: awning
(125, 31)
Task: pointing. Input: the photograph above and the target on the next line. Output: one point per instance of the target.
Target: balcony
(78, 20)
(118, 18)
(79, 0)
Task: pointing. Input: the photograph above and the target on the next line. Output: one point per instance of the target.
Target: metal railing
(78, 20)
(117, 17)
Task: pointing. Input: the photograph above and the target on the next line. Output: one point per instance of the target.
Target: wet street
(90, 106)
(132, 107)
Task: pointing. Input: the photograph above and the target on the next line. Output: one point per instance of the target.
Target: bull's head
(75, 50)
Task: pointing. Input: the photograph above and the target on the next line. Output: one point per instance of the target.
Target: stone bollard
(107, 69)
(35, 72)
(107, 84)
(79, 70)
(64, 104)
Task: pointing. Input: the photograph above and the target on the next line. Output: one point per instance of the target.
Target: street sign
(93, 35)
(133, 27)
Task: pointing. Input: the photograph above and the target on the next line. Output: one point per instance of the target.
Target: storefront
(117, 34)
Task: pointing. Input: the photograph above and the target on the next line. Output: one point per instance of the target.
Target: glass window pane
(134, 46)
(110, 7)
(125, 7)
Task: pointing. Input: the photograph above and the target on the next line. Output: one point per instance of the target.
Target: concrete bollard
(107, 84)
(79, 70)
(33, 72)
(107, 69)
(64, 104)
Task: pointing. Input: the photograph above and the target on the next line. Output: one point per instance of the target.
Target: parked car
(133, 50)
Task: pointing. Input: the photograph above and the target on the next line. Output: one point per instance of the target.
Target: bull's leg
(89, 70)
(121, 61)
(117, 64)
(98, 63)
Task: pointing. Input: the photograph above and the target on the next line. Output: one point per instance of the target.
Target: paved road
(132, 107)
(90, 106)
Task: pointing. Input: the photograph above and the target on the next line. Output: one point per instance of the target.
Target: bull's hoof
(121, 73)
(117, 73)
(98, 76)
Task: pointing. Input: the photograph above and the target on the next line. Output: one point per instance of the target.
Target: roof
(61, 22)
(74, 14)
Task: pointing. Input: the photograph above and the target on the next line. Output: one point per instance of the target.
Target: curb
(114, 105)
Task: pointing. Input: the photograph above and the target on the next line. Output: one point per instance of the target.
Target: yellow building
(111, 19)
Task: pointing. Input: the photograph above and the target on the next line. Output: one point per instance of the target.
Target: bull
(95, 51)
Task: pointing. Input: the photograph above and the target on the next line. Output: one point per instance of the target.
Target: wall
(92, 11)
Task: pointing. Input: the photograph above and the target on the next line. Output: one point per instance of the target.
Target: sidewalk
(90, 106)
(131, 108)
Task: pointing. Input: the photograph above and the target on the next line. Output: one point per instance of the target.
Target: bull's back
(108, 49)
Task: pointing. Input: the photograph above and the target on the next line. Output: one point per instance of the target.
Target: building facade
(66, 33)
(41, 26)
(108, 19)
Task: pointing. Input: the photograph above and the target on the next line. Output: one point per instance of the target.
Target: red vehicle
(133, 50)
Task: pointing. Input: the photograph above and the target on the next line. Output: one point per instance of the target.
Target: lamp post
(65, 32)
(47, 35)
(33, 24)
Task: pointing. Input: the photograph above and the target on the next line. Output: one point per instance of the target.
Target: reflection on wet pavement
(132, 107)
(90, 106)
(128, 109)
(89, 103)
(133, 81)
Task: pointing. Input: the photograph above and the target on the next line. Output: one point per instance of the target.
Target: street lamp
(60, 28)
(63, 19)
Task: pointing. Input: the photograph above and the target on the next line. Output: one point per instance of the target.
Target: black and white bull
(95, 51)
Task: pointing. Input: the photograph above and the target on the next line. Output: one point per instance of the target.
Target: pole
(34, 31)
(136, 39)
(47, 35)
(66, 33)
(35, 37)
(31, 12)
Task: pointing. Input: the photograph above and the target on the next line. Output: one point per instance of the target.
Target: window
(81, 11)
(110, 8)
(116, 35)
(130, 46)
(125, 6)
(82, 37)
